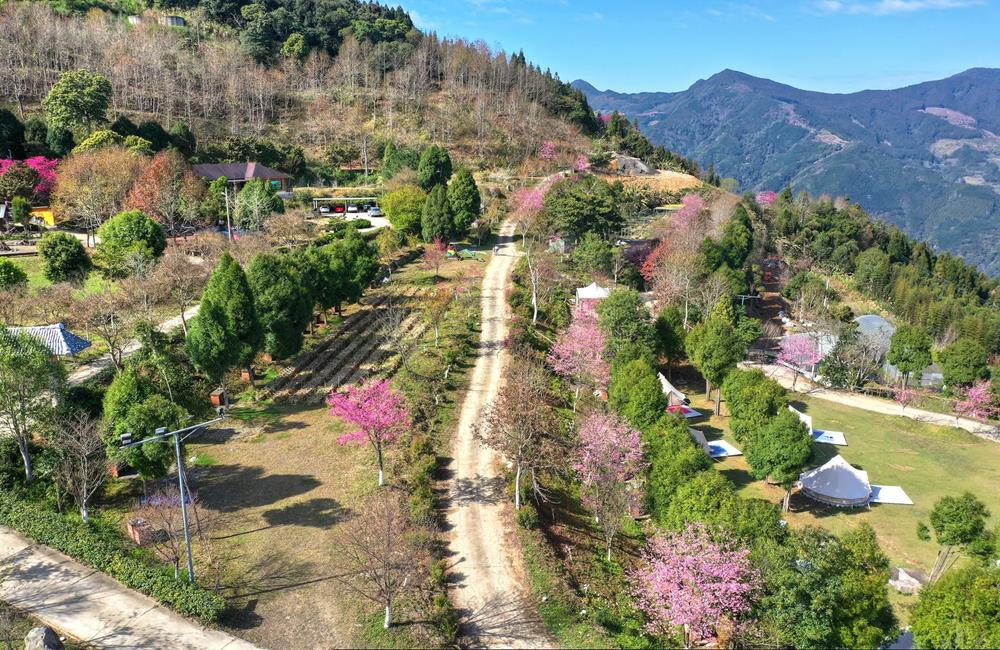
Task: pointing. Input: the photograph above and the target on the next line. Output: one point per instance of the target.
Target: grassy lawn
(928, 461)
(36, 280)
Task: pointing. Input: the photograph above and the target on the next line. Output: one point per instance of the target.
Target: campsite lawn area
(928, 461)
(32, 266)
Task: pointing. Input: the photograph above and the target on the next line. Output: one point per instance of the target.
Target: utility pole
(179, 436)
(229, 223)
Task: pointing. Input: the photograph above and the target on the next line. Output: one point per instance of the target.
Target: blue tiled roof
(56, 338)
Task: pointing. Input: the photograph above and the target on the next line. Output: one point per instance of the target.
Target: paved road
(486, 576)
(785, 377)
(89, 606)
(85, 372)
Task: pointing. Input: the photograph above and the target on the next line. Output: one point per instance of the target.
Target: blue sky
(827, 45)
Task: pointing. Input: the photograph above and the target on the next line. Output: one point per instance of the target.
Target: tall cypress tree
(465, 201)
(229, 290)
(434, 167)
(436, 221)
(283, 303)
(212, 346)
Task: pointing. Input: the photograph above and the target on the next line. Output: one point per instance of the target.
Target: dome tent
(836, 483)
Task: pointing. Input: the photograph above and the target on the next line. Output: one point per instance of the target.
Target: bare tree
(161, 516)
(180, 280)
(110, 317)
(375, 556)
(54, 303)
(14, 307)
(83, 466)
(521, 423)
(288, 230)
(390, 329)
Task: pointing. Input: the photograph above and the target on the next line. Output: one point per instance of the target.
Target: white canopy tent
(837, 483)
(674, 396)
(592, 291)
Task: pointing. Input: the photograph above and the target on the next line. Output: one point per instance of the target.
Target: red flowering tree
(693, 580)
(379, 412)
(578, 353)
(977, 402)
(169, 191)
(46, 169)
(608, 460)
(800, 353)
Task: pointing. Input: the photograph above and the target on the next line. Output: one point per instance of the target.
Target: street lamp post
(179, 436)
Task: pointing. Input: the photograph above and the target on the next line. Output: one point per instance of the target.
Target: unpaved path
(485, 573)
(88, 605)
(786, 377)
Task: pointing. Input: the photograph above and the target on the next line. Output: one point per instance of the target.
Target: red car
(338, 208)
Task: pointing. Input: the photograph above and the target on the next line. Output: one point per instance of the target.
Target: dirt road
(786, 378)
(485, 574)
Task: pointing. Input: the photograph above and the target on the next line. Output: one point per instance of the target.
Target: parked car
(324, 209)
(353, 208)
(375, 211)
(339, 209)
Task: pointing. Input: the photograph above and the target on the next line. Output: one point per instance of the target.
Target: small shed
(240, 173)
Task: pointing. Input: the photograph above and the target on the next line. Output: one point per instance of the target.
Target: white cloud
(888, 7)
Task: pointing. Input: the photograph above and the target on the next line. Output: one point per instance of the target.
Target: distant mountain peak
(586, 87)
(922, 157)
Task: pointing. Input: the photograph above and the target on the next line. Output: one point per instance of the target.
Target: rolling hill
(925, 157)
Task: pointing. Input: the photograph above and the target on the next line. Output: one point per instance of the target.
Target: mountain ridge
(925, 156)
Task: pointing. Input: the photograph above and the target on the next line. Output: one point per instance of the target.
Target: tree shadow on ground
(316, 513)
(739, 477)
(499, 621)
(227, 488)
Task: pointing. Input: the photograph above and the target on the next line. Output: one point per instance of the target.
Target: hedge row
(100, 546)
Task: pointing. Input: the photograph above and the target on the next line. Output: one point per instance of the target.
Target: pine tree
(436, 221)
(464, 199)
(283, 303)
(229, 289)
(211, 344)
(434, 167)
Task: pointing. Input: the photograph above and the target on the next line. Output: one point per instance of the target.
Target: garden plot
(354, 350)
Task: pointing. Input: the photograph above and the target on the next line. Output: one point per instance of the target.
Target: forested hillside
(270, 72)
(922, 157)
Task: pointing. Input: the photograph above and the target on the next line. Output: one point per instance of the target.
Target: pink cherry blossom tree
(767, 197)
(604, 117)
(379, 412)
(608, 461)
(582, 164)
(547, 151)
(905, 397)
(578, 354)
(977, 402)
(693, 580)
(800, 353)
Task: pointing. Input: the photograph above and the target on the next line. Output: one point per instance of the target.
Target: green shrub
(11, 275)
(100, 546)
(527, 517)
(63, 257)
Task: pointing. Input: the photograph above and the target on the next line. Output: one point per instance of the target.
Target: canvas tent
(674, 396)
(590, 294)
(836, 483)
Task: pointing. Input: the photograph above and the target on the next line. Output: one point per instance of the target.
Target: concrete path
(89, 606)
(94, 368)
(786, 378)
(486, 578)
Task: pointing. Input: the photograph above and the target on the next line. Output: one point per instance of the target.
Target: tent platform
(890, 494)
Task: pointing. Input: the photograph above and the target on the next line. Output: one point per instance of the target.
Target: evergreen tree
(64, 259)
(434, 167)
(229, 290)
(11, 135)
(128, 240)
(436, 221)
(282, 303)
(465, 201)
(212, 345)
(910, 350)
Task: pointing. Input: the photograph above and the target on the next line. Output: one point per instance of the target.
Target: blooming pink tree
(547, 151)
(977, 402)
(767, 198)
(379, 413)
(434, 256)
(578, 354)
(905, 397)
(604, 117)
(800, 353)
(693, 580)
(608, 460)
(46, 168)
(582, 163)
